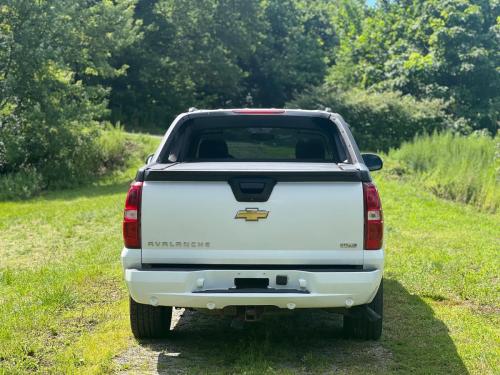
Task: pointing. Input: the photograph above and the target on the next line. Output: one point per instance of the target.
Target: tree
(189, 56)
(439, 49)
(217, 53)
(290, 58)
(53, 51)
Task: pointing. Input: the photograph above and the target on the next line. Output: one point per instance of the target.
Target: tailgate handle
(252, 189)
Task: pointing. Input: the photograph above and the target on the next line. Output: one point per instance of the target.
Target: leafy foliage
(429, 49)
(216, 53)
(397, 69)
(378, 120)
(49, 104)
(113, 155)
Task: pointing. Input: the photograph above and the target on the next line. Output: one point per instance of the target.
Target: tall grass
(464, 169)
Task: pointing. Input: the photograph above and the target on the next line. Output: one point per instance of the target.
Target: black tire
(149, 322)
(362, 327)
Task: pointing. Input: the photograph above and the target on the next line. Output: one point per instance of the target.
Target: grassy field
(63, 306)
(475, 162)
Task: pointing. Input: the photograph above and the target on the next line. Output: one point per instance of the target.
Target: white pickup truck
(245, 211)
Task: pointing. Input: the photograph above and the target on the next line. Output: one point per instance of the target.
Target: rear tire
(362, 327)
(149, 322)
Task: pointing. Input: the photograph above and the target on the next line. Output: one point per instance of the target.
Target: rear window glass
(251, 138)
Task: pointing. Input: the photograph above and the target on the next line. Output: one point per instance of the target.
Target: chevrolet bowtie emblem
(251, 214)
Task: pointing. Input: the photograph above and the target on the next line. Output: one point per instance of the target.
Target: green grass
(63, 305)
(444, 257)
(60, 286)
(58, 277)
(464, 169)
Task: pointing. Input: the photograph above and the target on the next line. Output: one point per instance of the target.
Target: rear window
(256, 138)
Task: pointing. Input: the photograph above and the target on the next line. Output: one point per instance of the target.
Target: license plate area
(251, 283)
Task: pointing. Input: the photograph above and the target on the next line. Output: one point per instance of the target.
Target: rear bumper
(193, 288)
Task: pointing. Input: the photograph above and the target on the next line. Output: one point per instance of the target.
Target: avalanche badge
(251, 214)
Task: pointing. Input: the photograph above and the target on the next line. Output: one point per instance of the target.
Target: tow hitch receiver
(252, 313)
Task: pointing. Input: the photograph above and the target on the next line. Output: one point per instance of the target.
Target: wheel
(149, 322)
(362, 327)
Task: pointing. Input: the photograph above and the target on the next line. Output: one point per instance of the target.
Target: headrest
(213, 149)
(309, 149)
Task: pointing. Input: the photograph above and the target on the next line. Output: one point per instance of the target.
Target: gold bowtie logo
(251, 214)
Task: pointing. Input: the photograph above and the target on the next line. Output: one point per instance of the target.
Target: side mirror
(372, 161)
(149, 158)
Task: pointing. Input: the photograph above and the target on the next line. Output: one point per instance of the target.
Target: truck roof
(194, 112)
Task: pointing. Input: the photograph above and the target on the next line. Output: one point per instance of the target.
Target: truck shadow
(308, 341)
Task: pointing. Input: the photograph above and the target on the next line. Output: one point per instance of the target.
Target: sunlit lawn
(63, 303)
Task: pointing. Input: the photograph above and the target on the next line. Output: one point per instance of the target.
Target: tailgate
(196, 220)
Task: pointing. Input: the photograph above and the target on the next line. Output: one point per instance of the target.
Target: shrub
(55, 55)
(461, 168)
(378, 120)
(114, 149)
(33, 159)
(21, 185)
(64, 155)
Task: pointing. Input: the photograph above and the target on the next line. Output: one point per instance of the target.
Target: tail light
(374, 221)
(132, 217)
